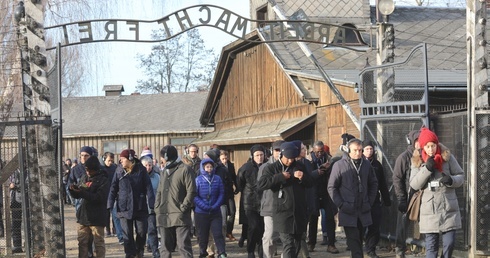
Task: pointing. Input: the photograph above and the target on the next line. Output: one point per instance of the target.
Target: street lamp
(385, 7)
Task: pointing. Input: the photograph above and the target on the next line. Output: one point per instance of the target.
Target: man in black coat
(288, 183)
(93, 189)
(353, 187)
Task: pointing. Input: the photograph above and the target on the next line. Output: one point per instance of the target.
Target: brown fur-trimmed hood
(417, 155)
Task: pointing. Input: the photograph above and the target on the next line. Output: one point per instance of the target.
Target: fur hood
(417, 155)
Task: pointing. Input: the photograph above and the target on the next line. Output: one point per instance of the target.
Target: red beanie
(426, 136)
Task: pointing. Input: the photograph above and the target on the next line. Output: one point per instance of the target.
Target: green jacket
(175, 196)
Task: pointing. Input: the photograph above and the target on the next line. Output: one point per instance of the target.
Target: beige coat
(439, 211)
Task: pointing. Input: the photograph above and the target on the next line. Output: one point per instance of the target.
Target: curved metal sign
(129, 30)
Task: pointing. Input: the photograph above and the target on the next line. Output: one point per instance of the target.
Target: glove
(430, 164)
(403, 206)
(446, 180)
(323, 168)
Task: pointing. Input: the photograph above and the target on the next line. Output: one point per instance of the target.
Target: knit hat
(326, 149)
(87, 149)
(277, 145)
(146, 152)
(126, 153)
(426, 136)
(289, 150)
(170, 152)
(366, 143)
(92, 164)
(213, 154)
(256, 147)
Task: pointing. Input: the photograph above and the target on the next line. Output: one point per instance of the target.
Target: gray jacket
(175, 196)
(267, 201)
(439, 211)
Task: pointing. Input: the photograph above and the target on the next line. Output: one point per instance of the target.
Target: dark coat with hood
(439, 211)
(93, 192)
(401, 172)
(132, 191)
(210, 191)
(290, 211)
(383, 193)
(343, 187)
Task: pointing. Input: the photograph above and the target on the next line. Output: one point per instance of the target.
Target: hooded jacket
(93, 193)
(210, 190)
(439, 211)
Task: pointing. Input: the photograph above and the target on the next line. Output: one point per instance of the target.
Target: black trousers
(255, 232)
(354, 239)
(373, 233)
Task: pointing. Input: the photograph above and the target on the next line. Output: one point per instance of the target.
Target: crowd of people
(158, 204)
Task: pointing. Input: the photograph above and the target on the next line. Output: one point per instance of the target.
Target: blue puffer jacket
(210, 190)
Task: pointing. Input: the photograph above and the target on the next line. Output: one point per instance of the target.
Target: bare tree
(179, 64)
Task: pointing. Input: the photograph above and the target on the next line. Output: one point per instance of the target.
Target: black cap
(289, 150)
(277, 145)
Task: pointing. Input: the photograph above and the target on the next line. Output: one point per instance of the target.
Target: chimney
(113, 90)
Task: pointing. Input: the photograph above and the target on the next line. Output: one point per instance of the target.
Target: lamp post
(386, 50)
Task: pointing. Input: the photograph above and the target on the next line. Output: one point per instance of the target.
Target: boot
(325, 241)
(251, 255)
(223, 255)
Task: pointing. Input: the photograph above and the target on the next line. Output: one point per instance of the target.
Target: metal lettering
(194, 16)
(165, 25)
(224, 20)
(113, 31)
(184, 18)
(135, 29)
(240, 26)
(88, 29)
(208, 11)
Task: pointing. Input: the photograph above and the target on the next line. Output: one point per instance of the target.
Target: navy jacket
(131, 191)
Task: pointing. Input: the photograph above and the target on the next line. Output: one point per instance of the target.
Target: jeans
(153, 235)
(117, 223)
(132, 247)
(432, 244)
(354, 239)
(291, 244)
(230, 222)
(181, 235)
(328, 223)
(210, 222)
(87, 234)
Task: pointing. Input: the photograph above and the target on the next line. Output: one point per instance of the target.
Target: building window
(116, 146)
(261, 16)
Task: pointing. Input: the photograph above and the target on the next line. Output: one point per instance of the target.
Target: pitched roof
(133, 114)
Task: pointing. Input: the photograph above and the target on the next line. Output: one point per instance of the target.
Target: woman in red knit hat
(438, 174)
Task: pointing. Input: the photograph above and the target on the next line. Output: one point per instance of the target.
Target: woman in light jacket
(436, 171)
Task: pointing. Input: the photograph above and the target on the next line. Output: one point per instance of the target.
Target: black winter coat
(383, 193)
(247, 183)
(93, 192)
(290, 211)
